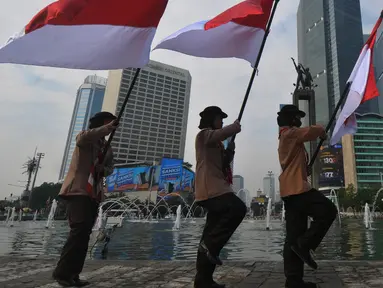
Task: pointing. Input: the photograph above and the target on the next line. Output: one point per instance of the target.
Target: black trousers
(224, 214)
(298, 207)
(82, 213)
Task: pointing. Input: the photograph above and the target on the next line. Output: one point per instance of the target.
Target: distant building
(238, 183)
(269, 186)
(154, 123)
(363, 153)
(90, 97)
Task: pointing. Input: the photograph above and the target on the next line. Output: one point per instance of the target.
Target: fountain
(367, 216)
(35, 216)
(20, 215)
(51, 214)
(101, 220)
(268, 214)
(283, 212)
(334, 198)
(177, 223)
(8, 214)
(375, 200)
(13, 215)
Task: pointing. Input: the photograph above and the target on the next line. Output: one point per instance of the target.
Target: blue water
(350, 241)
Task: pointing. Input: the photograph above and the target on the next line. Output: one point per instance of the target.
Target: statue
(304, 79)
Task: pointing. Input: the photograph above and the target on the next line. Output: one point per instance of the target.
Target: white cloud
(37, 102)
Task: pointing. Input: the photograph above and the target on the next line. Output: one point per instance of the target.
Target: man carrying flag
(83, 196)
(362, 87)
(300, 199)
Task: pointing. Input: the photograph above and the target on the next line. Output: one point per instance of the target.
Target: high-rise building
(155, 120)
(269, 186)
(330, 38)
(89, 101)
(363, 153)
(238, 183)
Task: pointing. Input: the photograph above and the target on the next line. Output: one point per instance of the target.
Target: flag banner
(88, 34)
(236, 33)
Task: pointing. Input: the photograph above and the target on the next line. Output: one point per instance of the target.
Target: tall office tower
(89, 101)
(238, 183)
(330, 38)
(155, 120)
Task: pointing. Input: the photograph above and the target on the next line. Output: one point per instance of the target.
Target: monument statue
(304, 79)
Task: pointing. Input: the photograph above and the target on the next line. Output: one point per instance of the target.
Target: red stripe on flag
(371, 87)
(133, 13)
(252, 13)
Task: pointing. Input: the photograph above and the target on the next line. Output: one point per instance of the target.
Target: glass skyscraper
(90, 97)
(330, 38)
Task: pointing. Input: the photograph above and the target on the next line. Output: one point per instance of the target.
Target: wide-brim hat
(103, 116)
(212, 111)
(291, 110)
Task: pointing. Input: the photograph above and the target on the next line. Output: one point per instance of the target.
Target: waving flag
(238, 32)
(362, 88)
(88, 34)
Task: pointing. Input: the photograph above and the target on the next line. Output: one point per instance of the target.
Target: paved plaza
(36, 272)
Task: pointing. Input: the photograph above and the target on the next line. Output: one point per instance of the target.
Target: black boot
(302, 285)
(80, 283)
(305, 255)
(205, 270)
(63, 281)
(214, 259)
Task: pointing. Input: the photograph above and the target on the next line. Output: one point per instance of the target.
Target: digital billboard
(170, 177)
(129, 179)
(331, 173)
(187, 182)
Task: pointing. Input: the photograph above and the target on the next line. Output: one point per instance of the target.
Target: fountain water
(8, 214)
(283, 212)
(100, 222)
(13, 215)
(375, 200)
(367, 216)
(177, 223)
(268, 214)
(51, 214)
(334, 198)
(35, 216)
(20, 215)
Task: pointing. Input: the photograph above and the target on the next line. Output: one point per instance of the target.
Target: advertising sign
(331, 174)
(187, 183)
(170, 175)
(129, 179)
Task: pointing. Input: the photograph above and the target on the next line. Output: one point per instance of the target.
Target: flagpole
(121, 110)
(257, 63)
(331, 122)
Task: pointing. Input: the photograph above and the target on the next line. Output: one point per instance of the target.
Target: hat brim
(298, 112)
(223, 115)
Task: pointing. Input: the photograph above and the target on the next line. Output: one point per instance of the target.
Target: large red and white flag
(363, 88)
(238, 32)
(88, 34)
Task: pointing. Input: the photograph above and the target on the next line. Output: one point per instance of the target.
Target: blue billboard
(129, 179)
(187, 183)
(170, 172)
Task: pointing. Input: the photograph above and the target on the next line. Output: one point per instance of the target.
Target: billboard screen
(170, 173)
(187, 183)
(330, 165)
(129, 179)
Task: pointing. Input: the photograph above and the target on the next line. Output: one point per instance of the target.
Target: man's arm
(310, 133)
(93, 135)
(219, 135)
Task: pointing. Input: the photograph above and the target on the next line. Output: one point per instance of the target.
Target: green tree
(42, 193)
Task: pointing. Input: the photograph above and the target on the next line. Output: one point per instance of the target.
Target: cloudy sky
(36, 103)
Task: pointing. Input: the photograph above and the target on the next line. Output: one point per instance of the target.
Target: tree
(42, 193)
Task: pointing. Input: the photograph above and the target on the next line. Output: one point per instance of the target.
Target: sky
(37, 103)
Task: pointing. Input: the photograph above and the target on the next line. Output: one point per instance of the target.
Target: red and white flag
(238, 32)
(363, 88)
(88, 34)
